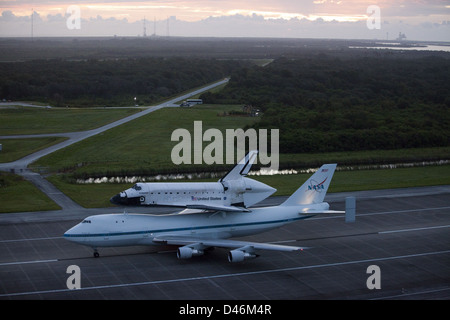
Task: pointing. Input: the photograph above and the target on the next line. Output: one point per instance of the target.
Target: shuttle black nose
(120, 200)
(117, 199)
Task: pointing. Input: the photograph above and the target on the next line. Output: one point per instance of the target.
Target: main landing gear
(96, 254)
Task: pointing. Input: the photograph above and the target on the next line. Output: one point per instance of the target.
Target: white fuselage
(140, 229)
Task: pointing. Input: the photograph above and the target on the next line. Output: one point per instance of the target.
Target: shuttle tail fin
(242, 168)
(314, 189)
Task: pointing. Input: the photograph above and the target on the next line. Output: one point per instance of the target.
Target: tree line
(325, 103)
(110, 82)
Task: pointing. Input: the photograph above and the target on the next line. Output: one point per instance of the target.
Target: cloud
(56, 25)
(304, 20)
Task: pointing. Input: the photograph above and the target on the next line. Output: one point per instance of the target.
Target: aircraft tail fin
(314, 189)
(241, 168)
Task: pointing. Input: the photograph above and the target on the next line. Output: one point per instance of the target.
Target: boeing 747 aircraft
(197, 230)
(233, 192)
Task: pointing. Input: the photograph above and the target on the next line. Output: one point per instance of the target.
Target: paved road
(20, 166)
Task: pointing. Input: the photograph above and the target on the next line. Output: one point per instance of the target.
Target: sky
(342, 19)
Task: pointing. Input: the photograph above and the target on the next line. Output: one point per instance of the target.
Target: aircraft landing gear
(96, 254)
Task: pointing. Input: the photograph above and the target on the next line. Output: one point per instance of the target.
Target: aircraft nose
(121, 199)
(117, 199)
(71, 234)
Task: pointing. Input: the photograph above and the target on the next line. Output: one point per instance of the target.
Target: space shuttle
(233, 192)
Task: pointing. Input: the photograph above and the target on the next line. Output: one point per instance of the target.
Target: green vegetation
(91, 83)
(360, 180)
(14, 149)
(23, 120)
(12, 199)
(325, 104)
(88, 195)
(368, 157)
(142, 146)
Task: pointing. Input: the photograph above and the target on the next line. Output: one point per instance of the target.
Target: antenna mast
(168, 33)
(145, 28)
(32, 27)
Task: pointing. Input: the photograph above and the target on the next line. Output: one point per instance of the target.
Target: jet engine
(239, 255)
(188, 252)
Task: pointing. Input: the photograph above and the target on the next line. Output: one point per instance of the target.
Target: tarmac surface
(405, 233)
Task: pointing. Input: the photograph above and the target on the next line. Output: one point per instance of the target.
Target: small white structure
(191, 102)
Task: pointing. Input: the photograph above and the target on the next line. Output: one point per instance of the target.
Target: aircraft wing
(316, 211)
(210, 207)
(222, 243)
(216, 208)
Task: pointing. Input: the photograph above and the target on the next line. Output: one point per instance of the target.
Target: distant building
(250, 110)
(401, 37)
(191, 102)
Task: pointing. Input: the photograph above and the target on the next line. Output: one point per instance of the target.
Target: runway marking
(156, 282)
(413, 229)
(406, 294)
(360, 234)
(30, 239)
(26, 262)
(377, 213)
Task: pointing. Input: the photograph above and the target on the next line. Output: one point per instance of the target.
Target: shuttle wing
(223, 243)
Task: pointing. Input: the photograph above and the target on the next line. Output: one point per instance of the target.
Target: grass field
(14, 149)
(143, 145)
(27, 120)
(19, 195)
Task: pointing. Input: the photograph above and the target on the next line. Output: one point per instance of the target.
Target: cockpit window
(137, 188)
(86, 221)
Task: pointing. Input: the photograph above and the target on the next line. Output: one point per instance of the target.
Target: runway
(406, 237)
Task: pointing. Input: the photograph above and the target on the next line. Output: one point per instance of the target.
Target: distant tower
(168, 34)
(32, 27)
(145, 29)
